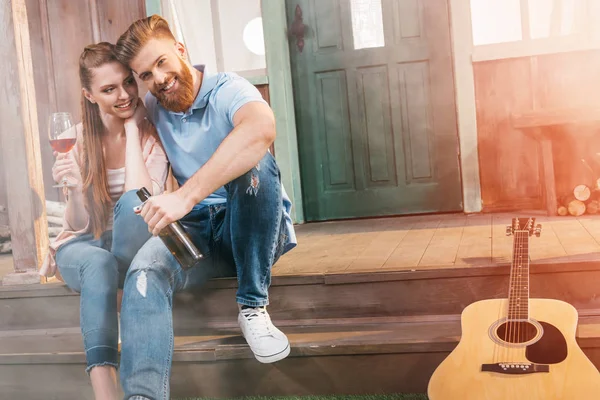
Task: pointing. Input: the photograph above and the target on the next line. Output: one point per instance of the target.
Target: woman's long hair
(93, 170)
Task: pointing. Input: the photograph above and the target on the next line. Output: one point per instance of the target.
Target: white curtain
(212, 31)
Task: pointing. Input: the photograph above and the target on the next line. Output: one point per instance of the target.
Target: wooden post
(549, 180)
(20, 147)
(282, 101)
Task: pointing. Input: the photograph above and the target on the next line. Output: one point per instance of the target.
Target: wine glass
(62, 135)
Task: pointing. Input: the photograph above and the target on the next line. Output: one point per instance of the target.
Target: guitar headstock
(524, 225)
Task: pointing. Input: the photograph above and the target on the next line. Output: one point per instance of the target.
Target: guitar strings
(513, 335)
(508, 332)
(511, 309)
(518, 298)
(517, 329)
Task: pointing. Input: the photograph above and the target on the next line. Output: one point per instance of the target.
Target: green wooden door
(375, 110)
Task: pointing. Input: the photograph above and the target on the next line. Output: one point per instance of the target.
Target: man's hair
(138, 34)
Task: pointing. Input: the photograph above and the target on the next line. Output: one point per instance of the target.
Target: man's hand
(160, 211)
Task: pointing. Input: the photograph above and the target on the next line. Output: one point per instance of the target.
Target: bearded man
(216, 131)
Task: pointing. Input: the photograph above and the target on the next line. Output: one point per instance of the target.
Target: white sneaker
(267, 342)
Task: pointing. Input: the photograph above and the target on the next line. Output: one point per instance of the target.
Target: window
(496, 21)
(514, 28)
(367, 23)
(502, 21)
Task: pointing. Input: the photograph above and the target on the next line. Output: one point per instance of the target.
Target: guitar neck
(518, 293)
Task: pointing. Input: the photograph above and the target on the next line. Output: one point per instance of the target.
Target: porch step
(311, 298)
(334, 357)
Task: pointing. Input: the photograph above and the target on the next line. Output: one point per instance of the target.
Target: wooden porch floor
(434, 242)
(427, 242)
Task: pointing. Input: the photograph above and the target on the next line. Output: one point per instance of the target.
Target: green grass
(367, 397)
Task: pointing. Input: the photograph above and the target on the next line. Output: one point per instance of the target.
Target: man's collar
(209, 81)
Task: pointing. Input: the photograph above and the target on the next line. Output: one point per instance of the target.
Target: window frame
(532, 47)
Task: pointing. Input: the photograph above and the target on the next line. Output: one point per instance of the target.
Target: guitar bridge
(515, 368)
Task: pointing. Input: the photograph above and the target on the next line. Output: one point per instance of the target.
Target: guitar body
(571, 375)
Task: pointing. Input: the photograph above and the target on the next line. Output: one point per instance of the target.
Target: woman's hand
(138, 116)
(65, 166)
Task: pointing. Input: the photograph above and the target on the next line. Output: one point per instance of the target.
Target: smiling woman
(116, 152)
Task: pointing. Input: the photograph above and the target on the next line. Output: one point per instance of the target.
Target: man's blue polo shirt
(190, 138)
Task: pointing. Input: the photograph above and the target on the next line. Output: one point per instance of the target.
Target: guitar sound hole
(517, 331)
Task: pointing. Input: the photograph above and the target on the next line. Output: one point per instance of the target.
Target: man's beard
(182, 99)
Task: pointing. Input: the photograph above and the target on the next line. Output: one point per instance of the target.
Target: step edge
(418, 273)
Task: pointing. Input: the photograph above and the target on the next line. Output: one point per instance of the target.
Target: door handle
(298, 28)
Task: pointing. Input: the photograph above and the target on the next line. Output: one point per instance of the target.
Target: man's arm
(242, 149)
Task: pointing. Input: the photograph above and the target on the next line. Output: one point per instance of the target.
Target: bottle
(176, 239)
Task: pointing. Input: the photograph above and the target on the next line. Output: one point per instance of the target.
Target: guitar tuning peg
(538, 230)
(509, 230)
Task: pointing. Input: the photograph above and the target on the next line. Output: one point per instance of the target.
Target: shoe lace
(259, 321)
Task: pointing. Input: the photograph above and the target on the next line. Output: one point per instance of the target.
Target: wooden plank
(282, 100)
(3, 192)
(375, 252)
(410, 250)
(507, 156)
(342, 339)
(549, 180)
(20, 141)
(566, 82)
(297, 300)
(443, 248)
(574, 238)
(466, 105)
(502, 245)
(547, 246)
(553, 117)
(66, 42)
(115, 16)
(6, 264)
(476, 245)
(44, 91)
(293, 377)
(591, 223)
(343, 245)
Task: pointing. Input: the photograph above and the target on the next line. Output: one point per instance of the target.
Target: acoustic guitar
(517, 348)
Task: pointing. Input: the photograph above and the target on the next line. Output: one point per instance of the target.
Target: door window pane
(496, 21)
(367, 23)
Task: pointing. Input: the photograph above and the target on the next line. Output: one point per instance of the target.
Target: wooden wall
(3, 200)
(511, 174)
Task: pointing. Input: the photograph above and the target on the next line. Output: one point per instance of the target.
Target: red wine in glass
(62, 135)
(63, 145)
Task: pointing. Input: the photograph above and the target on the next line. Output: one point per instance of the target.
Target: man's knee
(154, 258)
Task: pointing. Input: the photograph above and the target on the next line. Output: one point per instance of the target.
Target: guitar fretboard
(518, 294)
